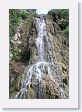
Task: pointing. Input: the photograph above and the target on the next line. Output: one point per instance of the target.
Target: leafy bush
(65, 14)
(13, 21)
(61, 17)
(14, 18)
(15, 15)
(60, 13)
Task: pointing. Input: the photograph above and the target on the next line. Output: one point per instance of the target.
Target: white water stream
(41, 67)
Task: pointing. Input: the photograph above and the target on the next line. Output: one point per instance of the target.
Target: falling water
(39, 41)
(40, 68)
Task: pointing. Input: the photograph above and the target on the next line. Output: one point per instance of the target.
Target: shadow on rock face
(25, 56)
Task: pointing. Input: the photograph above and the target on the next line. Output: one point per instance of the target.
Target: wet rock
(48, 78)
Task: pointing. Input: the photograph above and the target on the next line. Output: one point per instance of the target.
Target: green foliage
(26, 13)
(14, 18)
(61, 13)
(54, 11)
(66, 32)
(61, 17)
(15, 15)
(63, 24)
(65, 14)
(23, 14)
(13, 21)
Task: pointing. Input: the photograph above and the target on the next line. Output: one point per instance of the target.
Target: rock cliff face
(46, 74)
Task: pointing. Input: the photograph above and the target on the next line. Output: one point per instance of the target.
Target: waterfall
(41, 67)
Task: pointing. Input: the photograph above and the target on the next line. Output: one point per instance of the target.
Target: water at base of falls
(40, 68)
